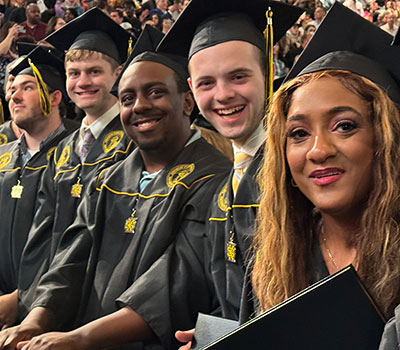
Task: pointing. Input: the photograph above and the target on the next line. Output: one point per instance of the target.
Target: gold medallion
(76, 189)
(130, 223)
(231, 249)
(16, 191)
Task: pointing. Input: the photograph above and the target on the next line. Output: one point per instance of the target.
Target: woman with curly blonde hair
(330, 188)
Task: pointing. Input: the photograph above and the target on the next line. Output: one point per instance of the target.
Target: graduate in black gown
(141, 220)
(96, 48)
(23, 162)
(226, 48)
(329, 181)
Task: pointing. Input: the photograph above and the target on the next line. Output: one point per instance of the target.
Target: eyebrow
(332, 111)
(24, 83)
(235, 71)
(144, 87)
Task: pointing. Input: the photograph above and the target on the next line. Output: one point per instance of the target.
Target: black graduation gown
(99, 249)
(238, 216)
(58, 208)
(6, 133)
(16, 214)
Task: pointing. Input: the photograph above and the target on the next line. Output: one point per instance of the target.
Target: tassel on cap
(130, 44)
(269, 38)
(45, 104)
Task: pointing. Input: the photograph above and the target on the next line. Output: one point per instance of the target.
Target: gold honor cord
(269, 38)
(1, 112)
(130, 43)
(45, 104)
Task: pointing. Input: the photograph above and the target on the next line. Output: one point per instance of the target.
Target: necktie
(87, 142)
(242, 161)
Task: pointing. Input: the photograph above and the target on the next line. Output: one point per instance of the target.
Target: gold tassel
(45, 104)
(269, 38)
(130, 42)
(1, 112)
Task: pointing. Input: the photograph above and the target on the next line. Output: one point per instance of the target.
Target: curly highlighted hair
(285, 222)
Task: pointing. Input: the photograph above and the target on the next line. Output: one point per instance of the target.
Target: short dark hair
(120, 14)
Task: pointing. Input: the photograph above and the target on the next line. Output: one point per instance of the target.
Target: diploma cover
(335, 313)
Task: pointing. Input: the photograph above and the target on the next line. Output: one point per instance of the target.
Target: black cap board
(144, 50)
(205, 23)
(346, 41)
(49, 64)
(95, 31)
(26, 48)
(148, 40)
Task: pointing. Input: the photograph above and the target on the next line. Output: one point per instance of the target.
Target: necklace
(330, 255)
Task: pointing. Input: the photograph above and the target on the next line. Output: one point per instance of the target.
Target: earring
(293, 183)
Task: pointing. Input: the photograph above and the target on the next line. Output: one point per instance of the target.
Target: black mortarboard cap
(95, 31)
(205, 23)
(26, 48)
(50, 65)
(144, 50)
(346, 41)
(148, 40)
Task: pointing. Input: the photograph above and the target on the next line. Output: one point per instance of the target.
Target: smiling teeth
(144, 123)
(230, 110)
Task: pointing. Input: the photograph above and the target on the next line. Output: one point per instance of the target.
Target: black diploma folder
(335, 313)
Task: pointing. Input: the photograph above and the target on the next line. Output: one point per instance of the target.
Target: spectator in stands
(116, 16)
(70, 14)
(33, 26)
(391, 24)
(319, 15)
(54, 24)
(157, 20)
(166, 24)
(292, 39)
(355, 5)
(161, 9)
(16, 13)
(73, 4)
(175, 9)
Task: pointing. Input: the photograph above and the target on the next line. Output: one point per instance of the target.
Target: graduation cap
(148, 40)
(144, 50)
(205, 23)
(48, 70)
(26, 48)
(346, 41)
(94, 31)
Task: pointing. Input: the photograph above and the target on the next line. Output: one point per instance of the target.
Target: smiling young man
(23, 162)
(92, 64)
(146, 212)
(227, 66)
